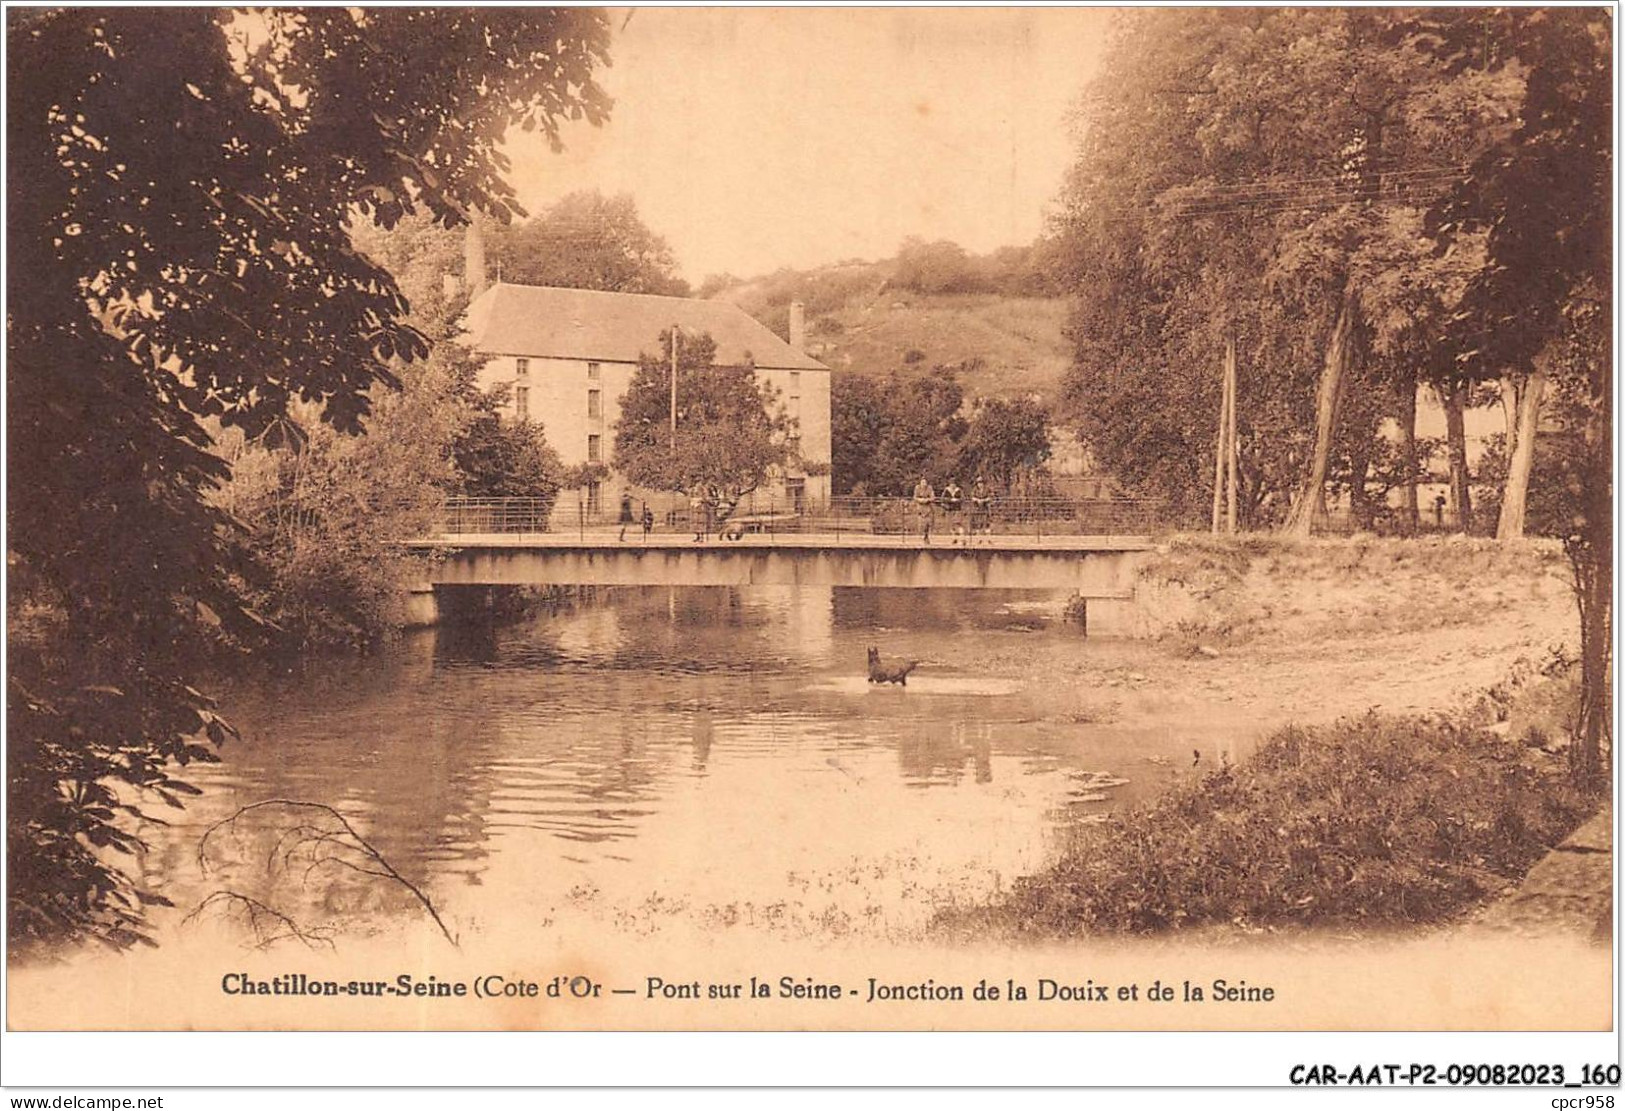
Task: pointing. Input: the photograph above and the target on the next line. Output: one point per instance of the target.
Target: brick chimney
(798, 326)
(474, 257)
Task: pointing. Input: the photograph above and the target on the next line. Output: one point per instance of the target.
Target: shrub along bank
(1376, 820)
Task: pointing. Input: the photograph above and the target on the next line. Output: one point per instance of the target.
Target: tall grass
(1377, 820)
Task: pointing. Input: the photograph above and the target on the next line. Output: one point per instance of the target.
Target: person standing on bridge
(697, 512)
(648, 520)
(925, 500)
(714, 508)
(981, 507)
(953, 502)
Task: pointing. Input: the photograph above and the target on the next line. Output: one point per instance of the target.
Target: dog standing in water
(880, 674)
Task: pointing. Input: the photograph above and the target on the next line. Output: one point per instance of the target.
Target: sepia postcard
(812, 519)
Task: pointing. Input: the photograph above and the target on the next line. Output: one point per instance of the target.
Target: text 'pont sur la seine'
(804, 988)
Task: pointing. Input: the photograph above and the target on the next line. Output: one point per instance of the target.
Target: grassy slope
(859, 325)
(1262, 586)
(1018, 340)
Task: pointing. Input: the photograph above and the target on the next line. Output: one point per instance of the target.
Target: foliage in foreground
(181, 219)
(1375, 820)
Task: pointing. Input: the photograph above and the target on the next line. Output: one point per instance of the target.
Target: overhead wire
(1268, 184)
(1272, 197)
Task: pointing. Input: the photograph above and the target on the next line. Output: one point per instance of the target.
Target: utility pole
(1233, 464)
(674, 387)
(1225, 463)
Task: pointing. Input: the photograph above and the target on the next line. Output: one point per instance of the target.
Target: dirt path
(1310, 632)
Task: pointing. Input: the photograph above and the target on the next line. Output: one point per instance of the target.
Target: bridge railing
(998, 516)
(465, 515)
(846, 517)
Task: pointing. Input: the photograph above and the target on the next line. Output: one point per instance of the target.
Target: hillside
(1005, 346)
(856, 320)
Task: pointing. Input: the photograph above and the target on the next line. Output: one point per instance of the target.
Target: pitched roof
(545, 321)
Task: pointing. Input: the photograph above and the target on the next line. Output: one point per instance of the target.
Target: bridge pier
(422, 606)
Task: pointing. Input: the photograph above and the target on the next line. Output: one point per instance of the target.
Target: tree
(1016, 271)
(857, 424)
(323, 510)
(1580, 359)
(492, 457)
(497, 458)
(1258, 175)
(420, 253)
(1532, 193)
(714, 284)
(888, 432)
(182, 180)
(588, 241)
(730, 431)
(1004, 439)
(939, 267)
(1538, 312)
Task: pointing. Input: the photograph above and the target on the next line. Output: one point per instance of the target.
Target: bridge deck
(815, 541)
(1093, 566)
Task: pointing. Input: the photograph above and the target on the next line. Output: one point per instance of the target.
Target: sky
(758, 138)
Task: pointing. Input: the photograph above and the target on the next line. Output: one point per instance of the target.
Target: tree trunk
(1590, 550)
(1454, 399)
(1219, 449)
(1409, 516)
(1593, 572)
(1310, 507)
(1359, 502)
(1514, 502)
(1591, 559)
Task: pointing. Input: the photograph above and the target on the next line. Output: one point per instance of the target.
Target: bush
(890, 519)
(1377, 819)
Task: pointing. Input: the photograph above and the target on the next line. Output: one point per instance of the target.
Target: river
(645, 760)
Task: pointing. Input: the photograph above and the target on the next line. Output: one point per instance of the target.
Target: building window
(595, 405)
(595, 499)
(595, 449)
(795, 383)
(521, 368)
(592, 371)
(521, 402)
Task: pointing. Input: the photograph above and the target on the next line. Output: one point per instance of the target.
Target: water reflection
(718, 744)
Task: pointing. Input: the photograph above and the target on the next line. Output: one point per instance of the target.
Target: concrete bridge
(1091, 566)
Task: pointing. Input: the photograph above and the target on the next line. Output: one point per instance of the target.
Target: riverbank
(1372, 822)
(1252, 633)
(1414, 694)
